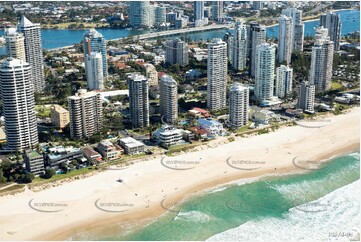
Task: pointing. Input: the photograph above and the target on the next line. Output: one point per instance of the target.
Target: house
(109, 151)
(58, 154)
(198, 112)
(131, 146)
(91, 154)
(198, 131)
(167, 135)
(212, 127)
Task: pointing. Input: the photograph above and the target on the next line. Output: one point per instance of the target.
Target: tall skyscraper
(94, 71)
(321, 61)
(138, 100)
(17, 94)
(177, 52)
(217, 11)
(284, 76)
(257, 5)
(285, 38)
(258, 37)
(332, 21)
(95, 42)
(306, 97)
(139, 14)
(168, 99)
(86, 115)
(160, 15)
(15, 46)
(217, 74)
(229, 39)
(198, 10)
(265, 68)
(238, 105)
(33, 51)
(239, 60)
(298, 27)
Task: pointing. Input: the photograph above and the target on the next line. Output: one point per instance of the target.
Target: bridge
(161, 34)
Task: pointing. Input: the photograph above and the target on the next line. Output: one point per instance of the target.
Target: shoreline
(158, 183)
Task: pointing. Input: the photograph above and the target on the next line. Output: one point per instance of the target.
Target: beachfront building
(91, 154)
(321, 61)
(257, 34)
(177, 52)
(265, 68)
(94, 71)
(217, 74)
(138, 100)
(298, 27)
(139, 13)
(34, 162)
(239, 59)
(212, 127)
(332, 21)
(58, 154)
(167, 135)
(284, 76)
(168, 99)
(131, 146)
(94, 41)
(18, 104)
(60, 117)
(86, 115)
(238, 105)
(15, 46)
(33, 51)
(110, 151)
(285, 39)
(306, 97)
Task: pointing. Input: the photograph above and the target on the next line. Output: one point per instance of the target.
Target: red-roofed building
(198, 112)
(160, 74)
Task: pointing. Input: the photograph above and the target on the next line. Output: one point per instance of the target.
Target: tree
(2, 177)
(49, 173)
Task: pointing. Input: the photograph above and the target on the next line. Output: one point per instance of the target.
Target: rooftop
(131, 142)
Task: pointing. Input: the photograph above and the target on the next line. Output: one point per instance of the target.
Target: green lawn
(336, 85)
(43, 110)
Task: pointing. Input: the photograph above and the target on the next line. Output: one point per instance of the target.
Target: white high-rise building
(265, 71)
(95, 42)
(238, 105)
(306, 97)
(94, 71)
(15, 46)
(298, 27)
(168, 99)
(17, 94)
(239, 59)
(217, 74)
(140, 14)
(285, 39)
(86, 115)
(321, 61)
(257, 37)
(332, 21)
(283, 81)
(33, 51)
(138, 100)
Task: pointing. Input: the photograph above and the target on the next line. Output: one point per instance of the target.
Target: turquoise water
(267, 199)
(59, 38)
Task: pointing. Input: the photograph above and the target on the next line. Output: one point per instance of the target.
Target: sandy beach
(150, 188)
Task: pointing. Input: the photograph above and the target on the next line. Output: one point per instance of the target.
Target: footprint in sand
(11, 232)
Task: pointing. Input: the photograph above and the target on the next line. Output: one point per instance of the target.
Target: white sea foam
(339, 221)
(194, 216)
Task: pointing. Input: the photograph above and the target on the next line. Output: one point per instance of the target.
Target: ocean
(321, 204)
